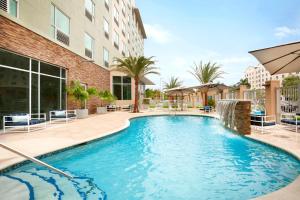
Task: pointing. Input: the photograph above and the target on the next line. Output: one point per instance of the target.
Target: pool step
(45, 184)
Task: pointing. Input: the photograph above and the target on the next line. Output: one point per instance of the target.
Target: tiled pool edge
(291, 191)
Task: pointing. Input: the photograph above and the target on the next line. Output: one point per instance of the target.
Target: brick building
(46, 44)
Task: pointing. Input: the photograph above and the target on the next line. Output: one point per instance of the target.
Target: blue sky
(223, 31)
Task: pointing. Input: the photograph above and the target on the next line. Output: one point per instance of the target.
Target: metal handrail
(39, 162)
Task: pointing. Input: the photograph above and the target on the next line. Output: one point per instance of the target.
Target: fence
(288, 99)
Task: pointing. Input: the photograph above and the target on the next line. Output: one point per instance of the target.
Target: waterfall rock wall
(235, 114)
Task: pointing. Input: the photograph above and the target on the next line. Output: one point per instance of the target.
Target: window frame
(8, 8)
(104, 61)
(93, 9)
(122, 84)
(53, 24)
(92, 43)
(106, 33)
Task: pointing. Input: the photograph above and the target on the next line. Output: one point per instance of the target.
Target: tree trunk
(136, 95)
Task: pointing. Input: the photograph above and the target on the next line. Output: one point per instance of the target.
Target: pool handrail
(37, 161)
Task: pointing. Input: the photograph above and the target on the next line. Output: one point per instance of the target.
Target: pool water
(168, 158)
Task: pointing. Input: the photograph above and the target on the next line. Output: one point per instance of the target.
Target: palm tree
(136, 68)
(173, 83)
(206, 73)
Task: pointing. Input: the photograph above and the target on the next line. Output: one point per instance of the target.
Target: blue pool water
(171, 158)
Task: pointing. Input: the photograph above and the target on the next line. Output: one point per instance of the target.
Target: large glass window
(13, 60)
(122, 87)
(47, 89)
(14, 92)
(89, 45)
(60, 25)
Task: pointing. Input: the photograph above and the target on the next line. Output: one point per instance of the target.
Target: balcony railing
(62, 37)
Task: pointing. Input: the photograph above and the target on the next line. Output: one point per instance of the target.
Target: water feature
(160, 158)
(226, 111)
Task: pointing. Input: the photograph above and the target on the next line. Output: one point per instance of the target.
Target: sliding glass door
(30, 86)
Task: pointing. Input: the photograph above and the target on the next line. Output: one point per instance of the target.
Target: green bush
(211, 102)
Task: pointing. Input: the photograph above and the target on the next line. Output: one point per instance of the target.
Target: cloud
(158, 33)
(284, 31)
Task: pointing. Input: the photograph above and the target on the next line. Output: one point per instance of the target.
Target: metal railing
(39, 162)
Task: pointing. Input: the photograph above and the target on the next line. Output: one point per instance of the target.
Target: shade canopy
(280, 59)
(209, 86)
(178, 91)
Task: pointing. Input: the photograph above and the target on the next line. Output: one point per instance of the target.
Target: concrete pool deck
(60, 136)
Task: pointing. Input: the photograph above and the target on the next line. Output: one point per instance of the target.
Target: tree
(173, 83)
(206, 73)
(244, 82)
(291, 81)
(136, 68)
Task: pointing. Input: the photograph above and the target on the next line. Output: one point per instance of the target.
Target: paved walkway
(59, 136)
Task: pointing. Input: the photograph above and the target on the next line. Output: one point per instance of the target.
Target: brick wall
(23, 41)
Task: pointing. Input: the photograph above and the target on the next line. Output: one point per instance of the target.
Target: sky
(183, 32)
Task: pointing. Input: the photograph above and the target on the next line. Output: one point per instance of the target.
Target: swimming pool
(162, 157)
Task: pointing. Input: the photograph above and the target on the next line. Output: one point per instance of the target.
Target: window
(116, 15)
(60, 25)
(90, 10)
(123, 48)
(89, 45)
(123, 7)
(10, 6)
(105, 57)
(106, 28)
(122, 87)
(106, 4)
(47, 87)
(116, 39)
(123, 28)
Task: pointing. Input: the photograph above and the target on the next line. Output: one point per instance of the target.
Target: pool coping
(290, 191)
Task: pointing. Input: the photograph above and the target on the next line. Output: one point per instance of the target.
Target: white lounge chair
(24, 122)
(62, 115)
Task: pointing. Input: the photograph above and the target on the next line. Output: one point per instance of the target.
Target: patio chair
(111, 108)
(207, 109)
(262, 121)
(128, 108)
(24, 121)
(291, 119)
(62, 115)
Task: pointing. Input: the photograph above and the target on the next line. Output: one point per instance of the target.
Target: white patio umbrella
(279, 59)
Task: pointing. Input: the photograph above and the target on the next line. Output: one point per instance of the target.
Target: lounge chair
(127, 108)
(291, 119)
(262, 121)
(23, 120)
(62, 115)
(208, 109)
